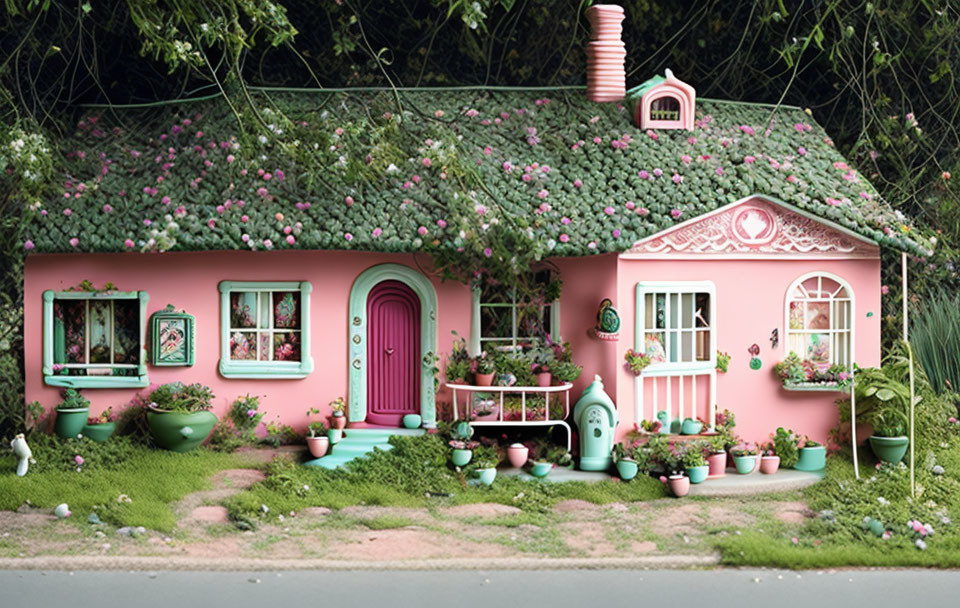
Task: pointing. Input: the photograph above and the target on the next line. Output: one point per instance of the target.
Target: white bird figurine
(22, 451)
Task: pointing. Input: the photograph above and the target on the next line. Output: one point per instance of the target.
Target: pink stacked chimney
(606, 75)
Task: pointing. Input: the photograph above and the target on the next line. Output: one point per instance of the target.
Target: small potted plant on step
(785, 446)
(317, 440)
(769, 461)
(717, 458)
(463, 447)
(71, 414)
(627, 466)
(487, 461)
(695, 462)
(744, 458)
(100, 428)
(813, 456)
(483, 370)
(179, 416)
(338, 420)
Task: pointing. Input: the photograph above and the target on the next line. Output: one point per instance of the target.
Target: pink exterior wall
(189, 281)
(750, 296)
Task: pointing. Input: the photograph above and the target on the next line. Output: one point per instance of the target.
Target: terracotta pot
(484, 379)
(679, 485)
(518, 454)
(318, 446)
(338, 422)
(718, 464)
(544, 379)
(769, 464)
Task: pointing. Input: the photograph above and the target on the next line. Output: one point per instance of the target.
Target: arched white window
(819, 319)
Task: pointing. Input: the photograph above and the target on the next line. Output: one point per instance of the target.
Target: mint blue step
(357, 443)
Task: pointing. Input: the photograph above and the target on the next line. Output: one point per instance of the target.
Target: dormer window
(663, 102)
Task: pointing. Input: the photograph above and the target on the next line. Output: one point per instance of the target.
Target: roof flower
(657, 172)
(543, 193)
(652, 134)
(677, 178)
(802, 151)
(686, 158)
(487, 252)
(676, 213)
(609, 210)
(565, 220)
(377, 232)
(616, 233)
(747, 129)
(442, 223)
(128, 243)
(348, 200)
(74, 242)
(630, 205)
(422, 230)
(28, 245)
(564, 238)
(749, 159)
(426, 162)
(643, 174)
(719, 170)
(577, 183)
(348, 237)
(290, 239)
(507, 166)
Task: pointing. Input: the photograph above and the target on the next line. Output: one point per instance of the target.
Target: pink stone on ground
(214, 514)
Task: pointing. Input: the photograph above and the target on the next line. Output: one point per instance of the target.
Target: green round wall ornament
(869, 314)
(755, 363)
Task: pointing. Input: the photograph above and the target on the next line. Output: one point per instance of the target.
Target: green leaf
(885, 394)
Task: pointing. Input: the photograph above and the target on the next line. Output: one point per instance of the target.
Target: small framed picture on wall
(171, 338)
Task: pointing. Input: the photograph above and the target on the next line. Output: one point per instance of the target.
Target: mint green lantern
(596, 418)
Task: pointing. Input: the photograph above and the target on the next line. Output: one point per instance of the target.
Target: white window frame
(269, 369)
(678, 289)
(478, 341)
(833, 332)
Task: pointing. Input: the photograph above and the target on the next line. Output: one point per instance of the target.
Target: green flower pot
(461, 458)
(487, 476)
(180, 432)
(691, 427)
(745, 464)
(812, 459)
(541, 469)
(889, 449)
(698, 474)
(627, 469)
(412, 421)
(99, 432)
(70, 422)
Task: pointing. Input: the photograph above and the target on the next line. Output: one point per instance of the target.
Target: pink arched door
(393, 353)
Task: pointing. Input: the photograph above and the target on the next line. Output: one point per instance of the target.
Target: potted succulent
(71, 414)
(627, 466)
(179, 416)
(487, 471)
(541, 360)
(317, 440)
(813, 456)
(784, 444)
(518, 454)
(338, 420)
(636, 362)
(695, 462)
(458, 362)
(484, 370)
(744, 458)
(769, 461)
(565, 371)
(723, 361)
(100, 428)
(883, 401)
(462, 451)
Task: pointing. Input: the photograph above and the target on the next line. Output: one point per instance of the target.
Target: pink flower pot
(484, 379)
(718, 464)
(518, 454)
(338, 422)
(318, 446)
(544, 379)
(679, 485)
(769, 464)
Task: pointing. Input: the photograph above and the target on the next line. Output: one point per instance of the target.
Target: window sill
(266, 370)
(815, 387)
(97, 381)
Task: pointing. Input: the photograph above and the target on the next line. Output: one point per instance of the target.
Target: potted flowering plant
(769, 461)
(723, 361)
(744, 458)
(338, 420)
(179, 416)
(458, 362)
(813, 456)
(317, 440)
(804, 374)
(717, 458)
(484, 369)
(100, 428)
(626, 464)
(695, 462)
(71, 414)
(784, 444)
(541, 360)
(669, 458)
(636, 362)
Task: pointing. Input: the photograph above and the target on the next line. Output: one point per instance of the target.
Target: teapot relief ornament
(608, 321)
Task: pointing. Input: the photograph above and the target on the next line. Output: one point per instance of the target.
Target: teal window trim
(265, 370)
(51, 378)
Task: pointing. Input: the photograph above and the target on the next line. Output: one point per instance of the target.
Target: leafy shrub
(785, 445)
(245, 416)
(72, 399)
(183, 398)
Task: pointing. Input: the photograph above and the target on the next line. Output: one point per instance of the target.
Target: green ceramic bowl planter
(698, 474)
(540, 469)
(813, 457)
(178, 417)
(883, 401)
(627, 468)
(744, 459)
(71, 415)
(99, 432)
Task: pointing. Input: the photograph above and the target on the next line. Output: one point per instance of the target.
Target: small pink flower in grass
(543, 194)
(565, 220)
(290, 239)
(230, 158)
(426, 162)
(885, 289)
(686, 158)
(442, 223)
(348, 237)
(487, 150)
(212, 223)
(507, 166)
(267, 177)
(79, 460)
(609, 210)
(245, 238)
(472, 113)
(643, 211)
(128, 244)
(795, 540)
(348, 200)
(108, 208)
(67, 212)
(630, 205)
(945, 175)
(438, 113)
(564, 238)
(652, 134)
(377, 232)
(416, 179)
(262, 192)
(422, 230)
(597, 140)
(792, 179)
(268, 243)
(577, 183)
(676, 213)
(74, 242)
(245, 219)
(952, 420)
(616, 233)
(526, 177)
(657, 172)
(749, 159)
(677, 178)
(28, 245)
(802, 151)
(643, 174)
(278, 216)
(719, 170)
(747, 129)
(487, 252)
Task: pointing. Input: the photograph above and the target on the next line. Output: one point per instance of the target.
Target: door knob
(389, 350)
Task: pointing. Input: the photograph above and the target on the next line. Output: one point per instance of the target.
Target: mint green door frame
(357, 330)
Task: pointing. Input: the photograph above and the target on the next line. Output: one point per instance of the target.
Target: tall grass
(935, 336)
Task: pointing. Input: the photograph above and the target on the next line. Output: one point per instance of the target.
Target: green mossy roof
(579, 177)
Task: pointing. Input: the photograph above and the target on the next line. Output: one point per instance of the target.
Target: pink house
(739, 229)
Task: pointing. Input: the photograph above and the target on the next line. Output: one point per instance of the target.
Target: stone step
(357, 443)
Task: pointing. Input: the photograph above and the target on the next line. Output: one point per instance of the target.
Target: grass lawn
(153, 479)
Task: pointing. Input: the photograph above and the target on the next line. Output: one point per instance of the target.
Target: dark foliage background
(881, 77)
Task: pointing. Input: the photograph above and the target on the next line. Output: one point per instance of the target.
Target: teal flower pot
(691, 427)
(180, 432)
(487, 476)
(99, 432)
(627, 469)
(334, 435)
(541, 469)
(745, 464)
(461, 458)
(70, 422)
(412, 421)
(698, 474)
(812, 459)
(889, 449)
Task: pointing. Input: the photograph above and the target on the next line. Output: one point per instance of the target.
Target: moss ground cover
(152, 479)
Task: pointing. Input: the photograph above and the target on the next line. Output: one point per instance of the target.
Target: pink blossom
(658, 172)
(245, 219)
(686, 159)
(442, 223)
(416, 179)
(630, 205)
(609, 210)
(597, 140)
(261, 191)
(616, 233)
(543, 194)
(79, 460)
(507, 166)
(652, 135)
(67, 212)
(471, 113)
(643, 174)
(526, 177)
(676, 213)
(677, 178)
(348, 200)
(422, 230)
(338, 131)
(802, 151)
(487, 252)
(165, 200)
(128, 243)
(348, 236)
(749, 159)
(885, 289)
(438, 113)
(245, 238)
(267, 177)
(487, 150)
(577, 183)
(565, 220)
(792, 179)
(564, 238)
(211, 223)
(107, 208)
(74, 242)
(291, 240)
(747, 129)
(28, 245)
(426, 162)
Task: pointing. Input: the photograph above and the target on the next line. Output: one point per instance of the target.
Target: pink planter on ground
(518, 454)
(679, 485)
(769, 464)
(318, 446)
(718, 464)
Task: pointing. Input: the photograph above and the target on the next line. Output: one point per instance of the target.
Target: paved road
(523, 589)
